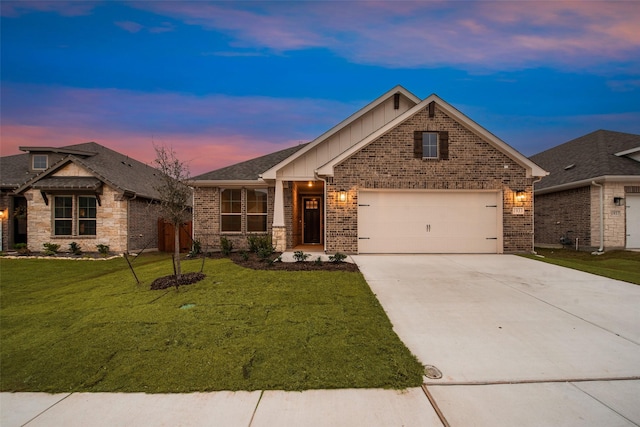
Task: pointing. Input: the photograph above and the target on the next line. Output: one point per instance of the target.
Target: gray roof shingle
(249, 170)
(117, 170)
(587, 157)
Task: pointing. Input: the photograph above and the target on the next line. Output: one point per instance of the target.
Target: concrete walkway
(518, 342)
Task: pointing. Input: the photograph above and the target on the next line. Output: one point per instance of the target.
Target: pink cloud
(64, 8)
(130, 26)
(486, 34)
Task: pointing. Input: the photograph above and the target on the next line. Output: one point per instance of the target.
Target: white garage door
(633, 221)
(429, 222)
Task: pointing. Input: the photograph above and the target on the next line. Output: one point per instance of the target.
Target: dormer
(41, 158)
(633, 154)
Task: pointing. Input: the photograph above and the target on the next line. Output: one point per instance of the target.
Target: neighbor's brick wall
(388, 163)
(143, 224)
(111, 223)
(556, 213)
(206, 219)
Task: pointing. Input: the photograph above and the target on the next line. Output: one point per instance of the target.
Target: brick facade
(143, 224)
(563, 211)
(206, 219)
(389, 163)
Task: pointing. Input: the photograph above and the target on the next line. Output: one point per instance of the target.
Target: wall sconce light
(520, 196)
(1, 214)
(310, 184)
(618, 201)
(342, 196)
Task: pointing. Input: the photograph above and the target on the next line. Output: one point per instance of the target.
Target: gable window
(83, 223)
(231, 210)
(256, 210)
(430, 145)
(63, 215)
(40, 161)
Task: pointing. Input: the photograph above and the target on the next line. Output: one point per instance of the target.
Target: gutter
(601, 248)
(586, 182)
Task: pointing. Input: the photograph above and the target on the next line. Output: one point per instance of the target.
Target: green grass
(620, 265)
(87, 326)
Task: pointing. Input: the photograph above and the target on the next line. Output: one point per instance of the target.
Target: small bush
(273, 261)
(75, 248)
(257, 243)
(318, 261)
(21, 248)
(50, 248)
(264, 253)
(196, 249)
(244, 255)
(300, 256)
(103, 249)
(337, 258)
(226, 246)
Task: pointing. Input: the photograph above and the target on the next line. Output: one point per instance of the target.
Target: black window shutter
(432, 108)
(444, 145)
(417, 144)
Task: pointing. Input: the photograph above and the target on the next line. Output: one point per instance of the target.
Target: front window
(257, 210)
(231, 210)
(87, 211)
(429, 145)
(63, 215)
(40, 161)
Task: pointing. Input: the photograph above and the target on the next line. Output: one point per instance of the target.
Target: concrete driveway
(518, 341)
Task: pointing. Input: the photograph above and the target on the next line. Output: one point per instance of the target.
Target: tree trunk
(176, 250)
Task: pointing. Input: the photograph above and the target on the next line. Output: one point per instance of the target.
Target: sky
(222, 82)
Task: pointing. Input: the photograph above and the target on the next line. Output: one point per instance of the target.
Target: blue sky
(222, 82)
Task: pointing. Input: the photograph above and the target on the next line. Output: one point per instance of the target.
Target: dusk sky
(222, 82)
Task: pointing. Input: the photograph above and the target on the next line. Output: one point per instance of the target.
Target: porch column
(278, 232)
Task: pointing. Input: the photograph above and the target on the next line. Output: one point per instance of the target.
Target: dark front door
(311, 231)
(19, 220)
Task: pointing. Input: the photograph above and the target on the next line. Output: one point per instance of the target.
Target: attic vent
(125, 163)
(571, 166)
(396, 101)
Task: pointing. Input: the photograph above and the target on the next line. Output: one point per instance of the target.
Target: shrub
(226, 246)
(103, 249)
(50, 248)
(264, 253)
(259, 242)
(337, 258)
(75, 248)
(196, 249)
(244, 255)
(318, 261)
(22, 248)
(300, 256)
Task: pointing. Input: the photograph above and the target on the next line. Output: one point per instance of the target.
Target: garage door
(429, 222)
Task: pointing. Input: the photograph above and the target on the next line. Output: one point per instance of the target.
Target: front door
(311, 220)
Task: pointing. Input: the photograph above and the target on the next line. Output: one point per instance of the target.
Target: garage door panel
(428, 222)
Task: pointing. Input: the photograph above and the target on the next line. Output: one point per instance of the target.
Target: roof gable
(531, 168)
(597, 154)
(389, 96)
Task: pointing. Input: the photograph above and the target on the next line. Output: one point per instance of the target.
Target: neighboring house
(591, 199)
(402, 175)
(84, 193)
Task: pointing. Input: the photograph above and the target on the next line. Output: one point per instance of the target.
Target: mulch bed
(170, 281)
(256, 263)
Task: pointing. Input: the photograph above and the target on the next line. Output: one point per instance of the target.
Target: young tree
(175, 195)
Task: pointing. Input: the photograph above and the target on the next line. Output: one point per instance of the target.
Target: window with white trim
(429, 145)
(231, 210)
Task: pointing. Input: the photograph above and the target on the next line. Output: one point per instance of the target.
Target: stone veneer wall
(562, 211)
(206, 219)
(389, 163)
(615, 225)
(6, 205)
(111, 223)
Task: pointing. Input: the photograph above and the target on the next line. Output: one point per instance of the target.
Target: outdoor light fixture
(618, 201)
(342, 195)
(520, 196)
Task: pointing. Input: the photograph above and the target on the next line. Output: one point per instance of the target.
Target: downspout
(533, 213)
(324, 203)
(193, 216)
(601, 248)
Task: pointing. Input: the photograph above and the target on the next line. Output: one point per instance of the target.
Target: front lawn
(87, 326)
(620, 265)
